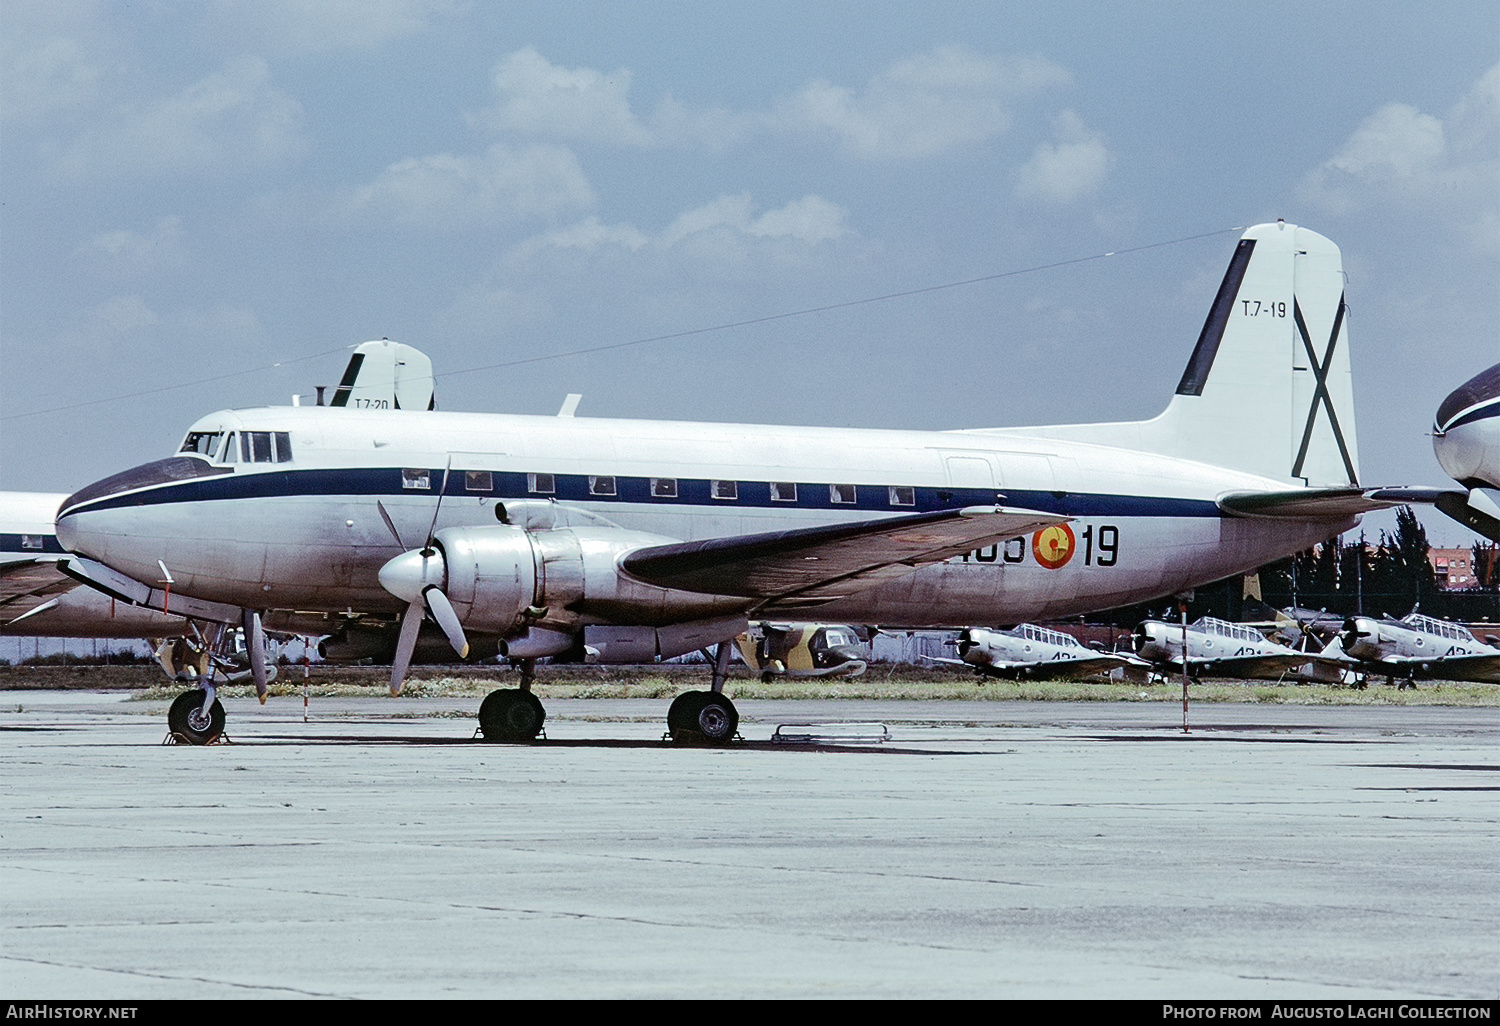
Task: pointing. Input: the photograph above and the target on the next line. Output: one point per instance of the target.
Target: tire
(511, 716)
(186, 721)
(702, 718)
(718, 719)
(682, 715)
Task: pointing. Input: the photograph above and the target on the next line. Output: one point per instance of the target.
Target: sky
(853, 214)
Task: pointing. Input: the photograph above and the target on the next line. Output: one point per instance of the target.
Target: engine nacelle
(1362, 637)
(510, 581)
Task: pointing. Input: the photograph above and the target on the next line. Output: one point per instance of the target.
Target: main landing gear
(513, 715)
(706, 717)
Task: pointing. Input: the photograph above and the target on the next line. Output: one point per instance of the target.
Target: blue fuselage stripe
(389, 481)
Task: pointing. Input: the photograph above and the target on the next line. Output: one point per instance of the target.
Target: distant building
(1453, 568)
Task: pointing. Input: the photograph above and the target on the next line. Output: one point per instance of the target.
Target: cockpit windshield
(204, 443)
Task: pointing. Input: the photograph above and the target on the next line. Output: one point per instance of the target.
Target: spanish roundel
(1053, 546)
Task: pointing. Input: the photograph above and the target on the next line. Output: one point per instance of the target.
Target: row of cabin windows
(781, 491)
(241, 446)
(661, 487)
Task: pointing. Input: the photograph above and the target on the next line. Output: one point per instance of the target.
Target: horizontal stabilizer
(1319, 503)
(828, 562)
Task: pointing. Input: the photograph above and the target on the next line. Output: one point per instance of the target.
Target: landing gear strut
(705, 717)
(513, 715)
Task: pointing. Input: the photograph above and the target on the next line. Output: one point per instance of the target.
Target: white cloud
(810, 220)
(137, 248)
(445, 191)
(119, 315)
(42, 77)
(228, 120)
(321, 26)
(1071, 168)
(537, 96)
(1404, 159)
(924, 106)
(591, 234)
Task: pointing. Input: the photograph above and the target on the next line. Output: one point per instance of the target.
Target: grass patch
(883, 684)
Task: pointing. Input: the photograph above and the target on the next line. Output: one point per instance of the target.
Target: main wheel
(187, 722)
(702, 717)
(511, 715)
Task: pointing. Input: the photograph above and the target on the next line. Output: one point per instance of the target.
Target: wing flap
(823, 563)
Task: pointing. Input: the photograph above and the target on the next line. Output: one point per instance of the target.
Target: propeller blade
(406, 643)
(442, 611)
(389, 523)
(255, 648)
(437, 507)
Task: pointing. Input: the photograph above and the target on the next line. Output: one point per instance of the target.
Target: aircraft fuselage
(295, 525)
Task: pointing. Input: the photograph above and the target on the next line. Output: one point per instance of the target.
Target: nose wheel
(190, 723)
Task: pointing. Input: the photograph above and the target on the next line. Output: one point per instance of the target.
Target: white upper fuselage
(302, 530)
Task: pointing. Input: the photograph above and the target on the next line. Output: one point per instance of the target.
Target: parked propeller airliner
(1466, 440)
(633, 540)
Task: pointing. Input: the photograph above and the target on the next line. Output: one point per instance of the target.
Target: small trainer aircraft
(1218, 648)
(1030, 652)
(1419, 647)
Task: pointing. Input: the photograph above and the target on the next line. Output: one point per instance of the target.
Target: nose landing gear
(196, 717)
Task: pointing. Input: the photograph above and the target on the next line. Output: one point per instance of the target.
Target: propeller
(255, 648)
(417, 578)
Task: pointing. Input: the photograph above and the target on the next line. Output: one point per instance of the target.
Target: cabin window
(204, 443)
(416, 479)
(601, 485)
(664, 488)
(724, 489)
(841, 495)
(478, 481)
(283, 442)
(32, 541)
(783, 491)
(902, 496)
(541, 484)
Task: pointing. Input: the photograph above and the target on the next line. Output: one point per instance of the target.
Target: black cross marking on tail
(1320, 393)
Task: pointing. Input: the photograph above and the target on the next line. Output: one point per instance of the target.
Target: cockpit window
(204, 443)
(259, 447)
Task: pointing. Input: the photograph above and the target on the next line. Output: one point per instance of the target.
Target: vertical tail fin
(1268, 388)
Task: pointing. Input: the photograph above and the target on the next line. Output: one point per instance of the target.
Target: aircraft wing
(1319, 503)
(1251, 666)
(27, 583)
(1061, 667)
(1481, 667)
(829, 562)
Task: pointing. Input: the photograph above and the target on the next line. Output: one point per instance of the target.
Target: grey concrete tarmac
(988, 849)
